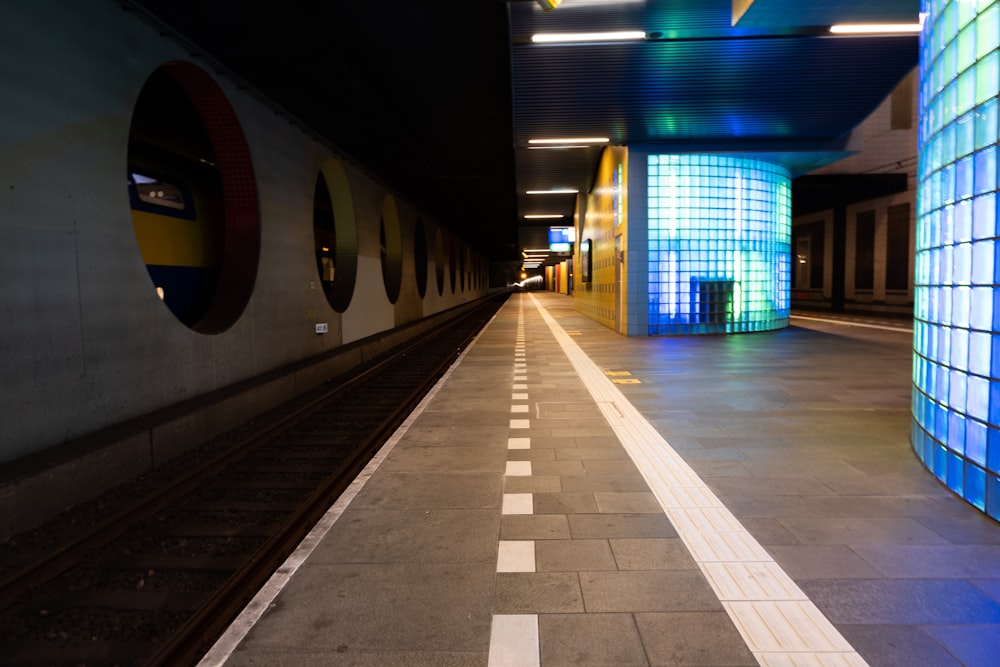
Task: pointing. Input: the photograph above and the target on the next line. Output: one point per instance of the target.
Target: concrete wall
(85, 343)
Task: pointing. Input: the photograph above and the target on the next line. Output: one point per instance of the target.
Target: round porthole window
(420, 256)
(463, 268)
(390, 249)
(335, 233)
(439, 262)
(452, 264)
(193, 197)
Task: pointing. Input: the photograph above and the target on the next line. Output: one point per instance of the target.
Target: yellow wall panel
(605, 218)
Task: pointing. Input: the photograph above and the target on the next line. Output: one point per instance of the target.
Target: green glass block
(941, 40)
(966, 94)
(988, 75)
(949, 99)
(966, 12)
(987, 124)
(988, 31)
(965, 133)
(948, 63)
(966, 47)
(949, 21)
(947, 146)
(938, 113)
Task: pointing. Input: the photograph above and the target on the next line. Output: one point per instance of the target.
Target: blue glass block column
(719, 244)
(956, 341)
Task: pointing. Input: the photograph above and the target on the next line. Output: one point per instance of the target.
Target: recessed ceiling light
(540, 216)
(566, 191)
(610, 36)
(558, 148)
(571, 140)
(874, 28)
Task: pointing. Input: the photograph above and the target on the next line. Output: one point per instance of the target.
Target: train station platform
(569, 496)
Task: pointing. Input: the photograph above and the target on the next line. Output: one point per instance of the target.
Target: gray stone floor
(802, 433)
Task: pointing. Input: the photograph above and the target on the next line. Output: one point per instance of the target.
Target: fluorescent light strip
(612, 36)
(535, 148)
(874, 28)
(551, 192)
(544, 216)
(571, 140)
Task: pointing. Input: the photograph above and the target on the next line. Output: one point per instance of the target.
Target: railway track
(155, 573)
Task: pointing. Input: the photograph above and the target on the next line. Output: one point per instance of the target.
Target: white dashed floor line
(514, 641)
(514, 637)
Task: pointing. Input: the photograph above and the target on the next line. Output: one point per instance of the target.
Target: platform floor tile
(743, 500)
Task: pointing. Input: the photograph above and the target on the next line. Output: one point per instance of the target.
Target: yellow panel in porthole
(169, 241)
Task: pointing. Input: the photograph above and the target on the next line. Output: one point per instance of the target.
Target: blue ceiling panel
(760, 89)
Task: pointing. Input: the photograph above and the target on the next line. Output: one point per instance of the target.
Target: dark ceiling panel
(416, 93)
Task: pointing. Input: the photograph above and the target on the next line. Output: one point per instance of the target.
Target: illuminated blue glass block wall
(956, 362)
(719, 244)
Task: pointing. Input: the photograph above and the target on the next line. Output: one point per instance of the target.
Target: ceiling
(440, 99)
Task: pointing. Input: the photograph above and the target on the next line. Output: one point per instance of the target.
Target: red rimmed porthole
(193, 196)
